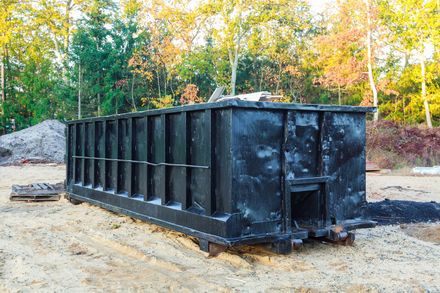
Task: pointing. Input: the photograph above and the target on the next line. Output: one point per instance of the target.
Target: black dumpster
(228, 173)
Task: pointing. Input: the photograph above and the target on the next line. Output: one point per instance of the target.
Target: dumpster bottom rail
(278, 243)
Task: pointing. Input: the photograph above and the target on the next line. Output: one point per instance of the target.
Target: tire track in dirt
(101, 260)
(61, 247)
(128, 261)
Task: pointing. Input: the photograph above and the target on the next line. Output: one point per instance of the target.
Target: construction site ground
(57, 246)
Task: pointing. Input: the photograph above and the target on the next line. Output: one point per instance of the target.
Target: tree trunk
(158, 82)
(370, 67)
(66, 44)
(403, 108)
(79, 91)
(165, 80)
(424, 97)
(2, 73)
(261, 80)
(132, 94)
(69, 6)
(339, 95)
(234, 59)
(99, 104)
(9, 91)
(279, 78)
(234, 66)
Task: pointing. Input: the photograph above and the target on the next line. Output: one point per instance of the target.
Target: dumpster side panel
(140, 153)
(223, 157)
(302, 144)
(177, 176)
(69, 153)
(98, 179)
(124, 153)
(161, 167)
(303, 161)
(157, 141)
(257, 141)
(88, 148)
(111, 152)
(343, 148)
(200, 150)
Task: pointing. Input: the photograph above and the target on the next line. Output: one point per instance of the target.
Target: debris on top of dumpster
(252, 97)
(264, 96)
(37, 192)
(41, 143)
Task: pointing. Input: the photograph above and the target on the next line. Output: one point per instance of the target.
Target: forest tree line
(64, 59)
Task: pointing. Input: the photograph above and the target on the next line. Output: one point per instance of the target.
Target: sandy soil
(56, 246)
(417, 188)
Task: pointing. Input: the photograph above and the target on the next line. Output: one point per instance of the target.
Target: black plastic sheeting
(391, 212)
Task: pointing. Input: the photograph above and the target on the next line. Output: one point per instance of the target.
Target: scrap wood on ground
(37, 192)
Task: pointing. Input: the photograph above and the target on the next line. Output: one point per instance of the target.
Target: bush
(393, 146)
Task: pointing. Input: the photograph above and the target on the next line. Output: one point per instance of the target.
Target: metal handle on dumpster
(143, 162)
(307, 184)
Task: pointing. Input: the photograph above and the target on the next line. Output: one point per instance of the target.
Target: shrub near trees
(66, 59)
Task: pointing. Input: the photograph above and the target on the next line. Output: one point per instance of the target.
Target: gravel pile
(44, 142)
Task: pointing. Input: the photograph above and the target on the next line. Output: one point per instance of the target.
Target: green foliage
(122, 56)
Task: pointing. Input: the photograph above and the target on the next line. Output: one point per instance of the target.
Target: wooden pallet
(37, 192)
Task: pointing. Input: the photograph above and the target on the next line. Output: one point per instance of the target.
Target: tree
(341, 50)
(236, 22)
(369, 57)
(102, 46)
(412, 27)
(72, 58)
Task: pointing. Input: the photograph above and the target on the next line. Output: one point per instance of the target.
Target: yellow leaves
(130, 7)
(166, 52)
(190, 96)
(283, 99)
(367, 100)
(341, 52)
(36, 28)
(144, 101)
(292, 70)
(158, 103)
(140, 67)
(180, 20)
(434, 99)
(9, 22)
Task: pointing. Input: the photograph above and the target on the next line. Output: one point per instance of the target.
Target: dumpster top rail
(238, 104)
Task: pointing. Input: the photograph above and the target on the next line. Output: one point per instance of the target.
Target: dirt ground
(417, 188)
(56, 246)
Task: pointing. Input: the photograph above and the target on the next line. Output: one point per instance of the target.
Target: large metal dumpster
(228, 173)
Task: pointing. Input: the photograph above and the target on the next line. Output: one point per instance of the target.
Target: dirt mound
(390, 212)
(44, 142)
(425, 232)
